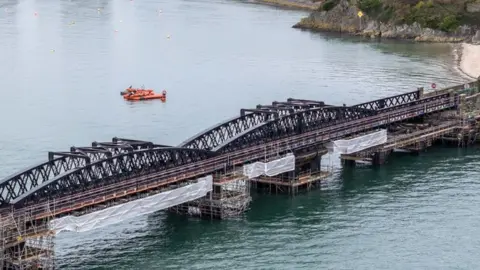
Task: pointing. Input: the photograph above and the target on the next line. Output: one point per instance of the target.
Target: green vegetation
(329, 4)
(446, 15)
(370, 6)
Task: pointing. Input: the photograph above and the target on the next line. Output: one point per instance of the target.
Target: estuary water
(65, 62)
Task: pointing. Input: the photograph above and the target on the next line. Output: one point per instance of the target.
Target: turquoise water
(60, 88)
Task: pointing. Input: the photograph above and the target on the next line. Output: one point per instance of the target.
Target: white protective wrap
(358, 144)
(271, 168)
(133, 209)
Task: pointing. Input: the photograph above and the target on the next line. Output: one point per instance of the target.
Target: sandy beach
(470, 60)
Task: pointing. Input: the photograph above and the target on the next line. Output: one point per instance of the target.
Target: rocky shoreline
(343, 18)
(374, 29)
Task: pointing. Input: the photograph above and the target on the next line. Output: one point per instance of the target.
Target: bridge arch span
(221, 132)
(297, 123)
(311, 119)
(109, 171)
(60, 162)
(249, 118)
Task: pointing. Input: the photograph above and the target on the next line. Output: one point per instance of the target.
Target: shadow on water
(403, 48)
(408, 53)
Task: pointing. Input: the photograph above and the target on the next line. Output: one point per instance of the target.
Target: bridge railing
(389, 102)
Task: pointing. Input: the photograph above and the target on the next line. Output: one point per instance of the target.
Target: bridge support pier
(229, 197)
(316, 163)
(307, 175)
(380, 158)
(348, 162)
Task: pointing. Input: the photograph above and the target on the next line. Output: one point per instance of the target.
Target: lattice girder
(218, 134)
(300, 122)
(109, 171)
(305, 121)
(60, 162)
(389, 102)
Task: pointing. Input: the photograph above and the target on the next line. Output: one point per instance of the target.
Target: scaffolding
(229, 198)
(306, 173)
(27, 242)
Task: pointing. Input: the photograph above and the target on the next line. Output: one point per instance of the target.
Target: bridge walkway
(414, 140)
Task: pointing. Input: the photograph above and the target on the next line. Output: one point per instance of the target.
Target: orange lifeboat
(134, 94)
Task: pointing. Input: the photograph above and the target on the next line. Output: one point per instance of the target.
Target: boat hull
(145, 97)
(133, 94)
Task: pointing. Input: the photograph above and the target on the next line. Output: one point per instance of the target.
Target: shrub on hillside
(329, 4)
(449, 23)
(370, 6)
(446, 15)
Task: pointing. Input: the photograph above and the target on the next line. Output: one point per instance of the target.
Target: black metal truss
(421, 101)
(389, 102)
(61, 162)
(102, 150)
(103, 172)
(249, 118)
(313, 119)
(297, 123)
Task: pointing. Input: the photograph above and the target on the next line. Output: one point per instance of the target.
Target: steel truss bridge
(123, 166)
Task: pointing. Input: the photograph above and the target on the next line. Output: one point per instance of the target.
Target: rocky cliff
(343, 17)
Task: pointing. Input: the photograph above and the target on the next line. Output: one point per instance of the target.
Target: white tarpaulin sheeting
(272, 168)
(133, 209)
(358, 144)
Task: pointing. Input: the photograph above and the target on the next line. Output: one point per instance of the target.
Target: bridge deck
(302, 180)
(422, 135)
(406, 140)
